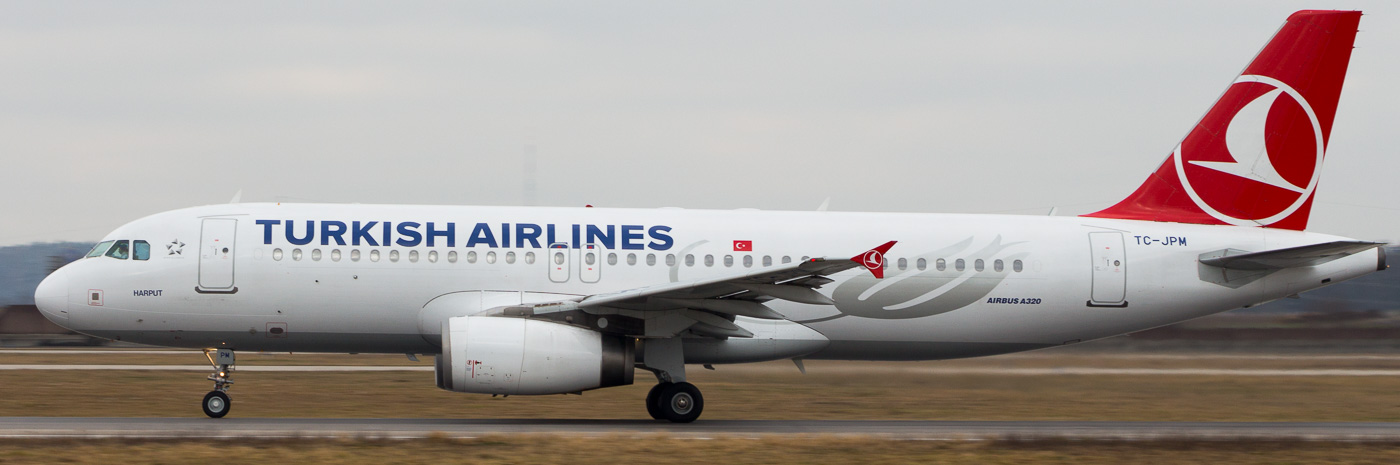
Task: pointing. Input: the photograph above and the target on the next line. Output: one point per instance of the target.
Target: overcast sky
(113, 111)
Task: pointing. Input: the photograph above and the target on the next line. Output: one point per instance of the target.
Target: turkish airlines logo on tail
(1255, 158)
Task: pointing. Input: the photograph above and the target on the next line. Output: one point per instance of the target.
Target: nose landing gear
(217, 402)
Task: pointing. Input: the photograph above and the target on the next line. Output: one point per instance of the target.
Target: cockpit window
(99, 249)
(142, 250)
(121, 250)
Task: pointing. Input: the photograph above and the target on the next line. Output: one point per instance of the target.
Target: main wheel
(652, 409)
(216, 404)
(680, 402)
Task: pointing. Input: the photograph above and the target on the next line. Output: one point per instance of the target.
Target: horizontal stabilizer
(1291, 257)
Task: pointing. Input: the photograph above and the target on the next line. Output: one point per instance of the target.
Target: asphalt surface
(944, 371)
(237, 428)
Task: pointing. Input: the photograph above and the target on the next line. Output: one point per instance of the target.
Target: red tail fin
(1255, 157)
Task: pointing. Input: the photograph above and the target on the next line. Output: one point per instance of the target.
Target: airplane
(543, 300)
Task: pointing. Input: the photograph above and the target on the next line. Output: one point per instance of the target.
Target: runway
(925, 370)
(391, 428)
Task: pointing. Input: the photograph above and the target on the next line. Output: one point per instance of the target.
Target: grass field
(830, 390)
(586, 451)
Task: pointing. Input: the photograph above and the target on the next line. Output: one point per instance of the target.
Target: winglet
(874, 259)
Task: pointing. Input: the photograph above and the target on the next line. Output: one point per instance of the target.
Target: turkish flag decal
(743, 246)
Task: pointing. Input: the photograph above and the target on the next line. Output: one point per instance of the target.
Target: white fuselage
(1042, 281)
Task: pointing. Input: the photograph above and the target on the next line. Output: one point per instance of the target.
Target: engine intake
(518, 356)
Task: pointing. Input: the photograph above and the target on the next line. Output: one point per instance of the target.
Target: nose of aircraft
(52, 297)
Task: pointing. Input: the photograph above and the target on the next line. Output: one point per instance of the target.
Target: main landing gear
(217, 402)
(675, 402)
(672, 398)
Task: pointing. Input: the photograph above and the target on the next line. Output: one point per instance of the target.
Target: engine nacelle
(518, 356)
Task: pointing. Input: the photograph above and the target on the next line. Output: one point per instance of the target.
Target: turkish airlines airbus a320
(533, 301)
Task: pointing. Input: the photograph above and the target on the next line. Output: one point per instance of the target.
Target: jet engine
(503, 355)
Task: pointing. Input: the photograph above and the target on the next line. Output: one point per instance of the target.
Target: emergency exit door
(216, 255)
(560, 261)
(592, 267)
(1110, 270)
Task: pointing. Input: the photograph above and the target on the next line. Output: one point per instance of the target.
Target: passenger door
(1110, 270)
(216, 255)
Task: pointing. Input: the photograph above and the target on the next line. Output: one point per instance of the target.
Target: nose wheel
(217, 402)
(675, 402)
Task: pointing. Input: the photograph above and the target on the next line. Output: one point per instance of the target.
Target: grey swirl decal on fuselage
(914, 293)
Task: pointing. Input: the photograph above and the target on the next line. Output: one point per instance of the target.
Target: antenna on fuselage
(237, 197)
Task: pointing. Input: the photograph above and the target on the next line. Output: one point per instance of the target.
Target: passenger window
(277, 254)
(787, 259)
(960, 265)
(631, 259)
(374, 255)
(452, 257)
(709, 260)
(997, 265)
(728, 260)
(529, 258)
(296, 255)
(490, 258)
(335, 255)
(558, 258)
(903, 263)
(315, 255)
(589, 258)
(510, 258)
(670, 259)
(99, 249)
(748, 261)
(471, 257)
(413, 256)
(767, 260)
(120, 250)
(612, 259)
(922, 264)
(689, 260)
(432, 256)
(394, 256)
(142, 250)
(651, 259)
(941, 264)
(355, 255)
(978, 265)
(1016, 266)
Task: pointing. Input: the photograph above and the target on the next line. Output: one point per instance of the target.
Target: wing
(708, 306)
